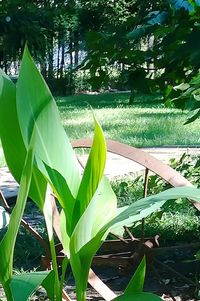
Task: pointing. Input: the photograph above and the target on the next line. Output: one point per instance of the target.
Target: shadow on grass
(155, 115)
(150, 121)
(107, 100)
(139, 136)
(146, 123)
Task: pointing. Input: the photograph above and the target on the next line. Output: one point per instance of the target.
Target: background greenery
(177, 221)
(144, 46)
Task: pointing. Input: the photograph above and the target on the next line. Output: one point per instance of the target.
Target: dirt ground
(173, 273)
(169, 289)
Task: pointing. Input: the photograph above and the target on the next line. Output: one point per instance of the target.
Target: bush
(176, 221)
(81, 82)
(62, 86)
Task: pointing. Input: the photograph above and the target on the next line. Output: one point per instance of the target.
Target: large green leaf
(8, 241)
(144, 207)
(93, 173)
(14, 149)
(12, 142)
(24, 285)
(48, 284)
(84, 241)
(134, 290)
(64, 196)
(101, 210)
(54, 156)
(37, 108)
(138, 297)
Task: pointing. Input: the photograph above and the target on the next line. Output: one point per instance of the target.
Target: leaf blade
(8, 241)
(24, 285)
(13, 145)
(138, 297)
(84, 241)
(93, 173)
(36, 107)
(136, 283)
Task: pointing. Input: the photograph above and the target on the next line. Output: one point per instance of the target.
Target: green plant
(177, 220)
(189, 167)
(44, 160)
(13, 284)
(81, 81)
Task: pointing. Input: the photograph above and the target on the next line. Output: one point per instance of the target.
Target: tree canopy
(154, 45)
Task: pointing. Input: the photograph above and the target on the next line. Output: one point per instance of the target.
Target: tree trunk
(58, 57)
(5, 65)
(70, 52)
(50, 59)
(131, 98)
(76, 47)
(62, 63)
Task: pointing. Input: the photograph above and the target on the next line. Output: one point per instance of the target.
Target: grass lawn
(146, 123)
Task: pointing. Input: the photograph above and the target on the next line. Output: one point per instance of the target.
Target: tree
(156, 44)
(23, 21)
(144, 40)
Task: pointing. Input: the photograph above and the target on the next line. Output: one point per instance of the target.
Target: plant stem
(81, 296)
(8, 292)
(64, 268)
(58, 292)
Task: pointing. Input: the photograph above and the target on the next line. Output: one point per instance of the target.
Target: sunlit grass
(143, 124)
(146, 123)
